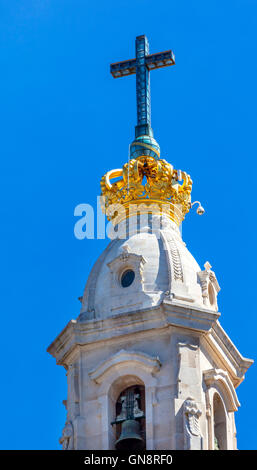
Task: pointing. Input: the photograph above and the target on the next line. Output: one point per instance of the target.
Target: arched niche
(116, 389)
(122, 370)
(219, 423)
(131, 401)
(221, 403)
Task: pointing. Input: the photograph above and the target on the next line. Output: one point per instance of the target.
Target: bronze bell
(130, 438)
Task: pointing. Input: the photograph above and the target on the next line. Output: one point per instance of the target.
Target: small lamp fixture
(200, 210)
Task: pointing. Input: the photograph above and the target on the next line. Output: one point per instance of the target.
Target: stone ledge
(171, 314)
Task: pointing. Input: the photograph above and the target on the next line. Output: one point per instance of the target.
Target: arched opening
(219, 422)
(116, 375)
(129, 419)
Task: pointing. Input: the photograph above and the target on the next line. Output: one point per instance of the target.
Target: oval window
(127, 278)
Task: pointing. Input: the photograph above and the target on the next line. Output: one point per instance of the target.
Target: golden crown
(146, 185)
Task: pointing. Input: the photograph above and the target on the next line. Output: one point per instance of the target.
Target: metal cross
(141, 66)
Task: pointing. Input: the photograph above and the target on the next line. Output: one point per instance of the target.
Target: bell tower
(148, 363)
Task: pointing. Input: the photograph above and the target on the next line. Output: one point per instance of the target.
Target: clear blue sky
(65, 121)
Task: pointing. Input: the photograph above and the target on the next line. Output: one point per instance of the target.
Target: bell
(130, 438)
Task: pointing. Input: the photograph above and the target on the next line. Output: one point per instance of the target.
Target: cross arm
(121, 69)
(161, 59)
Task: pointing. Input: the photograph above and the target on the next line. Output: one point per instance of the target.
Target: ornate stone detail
(148, 363)
(209, 285)
(123, 261)
(67, 436)
(221, 379)
(176, 261)
(192, 414)
(174, 265)
(192, 433)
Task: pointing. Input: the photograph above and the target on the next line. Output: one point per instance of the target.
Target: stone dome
(157, 264)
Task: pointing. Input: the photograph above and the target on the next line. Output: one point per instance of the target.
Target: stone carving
(132, 261)
(151, 364)
(176, 261)
(206, 278)
(192, 433)
(177, 287)
(173, 259)
(67, 437)
(192, 413)
(220, 378)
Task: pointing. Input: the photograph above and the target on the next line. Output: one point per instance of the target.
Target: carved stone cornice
(219, 342)
(193, 318)
(171, 314)
(148, 363)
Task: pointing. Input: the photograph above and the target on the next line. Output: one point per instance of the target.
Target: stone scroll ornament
(192, 433)
(67, 436)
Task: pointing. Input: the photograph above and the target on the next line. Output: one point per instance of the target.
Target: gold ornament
(146, 185)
